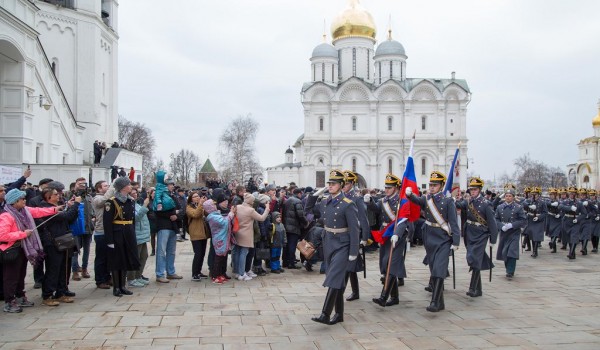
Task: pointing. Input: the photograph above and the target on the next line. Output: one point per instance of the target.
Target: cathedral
(586, 172)
(361, 110)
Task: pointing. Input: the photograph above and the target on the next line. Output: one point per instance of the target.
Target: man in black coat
(294, 222)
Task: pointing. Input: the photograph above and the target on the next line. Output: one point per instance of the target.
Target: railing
(64, 3)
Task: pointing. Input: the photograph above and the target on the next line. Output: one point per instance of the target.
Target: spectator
(219, 221)
(152, 219)
(181, 214)
(101, 272)
(245, 236)
(38, 271)
(166, 224)
(239, 195)
(278, 242)
(195, 217)
(142, 235)
(261, 240)
(294, 222)
(97, 152)
(122, 172)
(114, 172)
(83, 229)
(131, 174)
(115, 145)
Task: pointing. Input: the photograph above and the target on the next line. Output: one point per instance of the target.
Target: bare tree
(184, 165)
(237, 150)
(530, 172)
(137, 137)
(150, 171)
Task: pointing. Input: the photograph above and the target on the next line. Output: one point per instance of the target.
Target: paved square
(552, 303)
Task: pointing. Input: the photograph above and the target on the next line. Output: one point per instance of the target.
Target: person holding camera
(197, 230)
(82, 229)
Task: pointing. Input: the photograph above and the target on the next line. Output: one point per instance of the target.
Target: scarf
(32, 244)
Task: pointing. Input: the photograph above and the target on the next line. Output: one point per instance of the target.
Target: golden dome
(596, 120)
(354, 21)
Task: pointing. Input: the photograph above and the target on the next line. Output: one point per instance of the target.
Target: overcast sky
(188, 67)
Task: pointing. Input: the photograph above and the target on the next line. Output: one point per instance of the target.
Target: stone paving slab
(552, 303)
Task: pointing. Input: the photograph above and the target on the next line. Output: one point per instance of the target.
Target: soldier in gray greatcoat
(594, 214)
(511, 218)
(481, 232)
(553, 219)
(564, 235)
(575, 213)
(586, 225)
(536, 210)
(340, 245)
(365, 230)
(441, 231)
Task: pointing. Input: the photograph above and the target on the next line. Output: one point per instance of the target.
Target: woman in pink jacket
(17, 230)
(245, 236)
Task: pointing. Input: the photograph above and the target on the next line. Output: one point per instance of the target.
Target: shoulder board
(112, 198)
(347, 200)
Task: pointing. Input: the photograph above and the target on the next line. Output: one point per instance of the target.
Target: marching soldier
(365, 230)
(511, 218)
(480, 229)
(574, 215)
(586, 226)
(526, 237)
(340, 245)
(387, 208)
(594, 213)
(553, 219)
(563, 238)
(441, 234)
(536, 218)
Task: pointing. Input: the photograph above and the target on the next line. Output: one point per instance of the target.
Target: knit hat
(263, 198)
(120, 183)
(14, 195)
(221, 197)
(248, 198)
(271, 188)
(275, 215)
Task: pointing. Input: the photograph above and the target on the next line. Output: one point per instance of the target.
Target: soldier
(340, 245)
(526, 237)
(356, 265)
(563, 238)
(575, 213)
(511, 218)
(387, 209)
(119, 232)
(594, 213)
(536, 218)
(586, 233)
(441, 234)
(553, 219)
(481, 231)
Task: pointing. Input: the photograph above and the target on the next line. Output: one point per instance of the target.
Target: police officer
(340, 245)
(536, 211)
(575, 213)
(387, 209)
(510, 218)
(365, 231)
(119, 233)
(594, 214)
(586, 233)
(553, 219)
(441, 234)
(481, 232)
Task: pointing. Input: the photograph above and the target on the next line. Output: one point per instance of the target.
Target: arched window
(320, 123)
(353, 123)
(586, 179)
(424, 123)
(353, 62)
(390, 165)
(314, 72)
(390, 123)
(423, 166)
(323, 72)
(354, 164)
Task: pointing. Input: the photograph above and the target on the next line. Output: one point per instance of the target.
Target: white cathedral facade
(585, 173)
(361, 110)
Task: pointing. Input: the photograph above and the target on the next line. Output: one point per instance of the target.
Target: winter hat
(14, 195)
(308, 189)
(275, 215)
(209, 206)
(248, 198)
(263, 198)
(120, 183)
(221, 197)
(271, 188)
(56, 185)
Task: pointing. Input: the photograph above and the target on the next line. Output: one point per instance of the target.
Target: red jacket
(9, 232)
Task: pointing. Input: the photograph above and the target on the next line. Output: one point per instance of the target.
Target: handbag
(9, 255)
(306, 248)
(236, 225)
(64, 242)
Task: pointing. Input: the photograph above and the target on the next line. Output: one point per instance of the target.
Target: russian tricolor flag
(450, 180)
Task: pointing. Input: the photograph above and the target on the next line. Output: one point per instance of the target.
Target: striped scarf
(32, 244)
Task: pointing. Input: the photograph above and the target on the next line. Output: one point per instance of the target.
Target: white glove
(454, 247)
(507, 227)
(408, 191)
(367, 198)
(585, 203)
(554, 204)
(597, 218)
(535, 218)
(351, 257)
(557, 216)
(532, 207)
(319, 193)
(394, 240)
(363, 243)
(110, 245)
(574, 221)
(491, 245)
(573, 208)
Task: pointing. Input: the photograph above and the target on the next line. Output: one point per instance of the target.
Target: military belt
(570, 215)
(532, 214)
(123, 222)
(433, 224)
(336, 231)
(475, 223)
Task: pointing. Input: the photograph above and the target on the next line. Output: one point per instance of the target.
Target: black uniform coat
(478, 233)
(510, 240)
(572, 229)
(535, 209)
(553, 219)
(436, 240)
(124, 256)
(365, 229)
(338, 213)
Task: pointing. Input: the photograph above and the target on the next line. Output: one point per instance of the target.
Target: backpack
(78, 226)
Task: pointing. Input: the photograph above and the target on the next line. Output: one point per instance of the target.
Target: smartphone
(28, 167)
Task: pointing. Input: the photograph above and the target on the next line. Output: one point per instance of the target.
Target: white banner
(9, 174)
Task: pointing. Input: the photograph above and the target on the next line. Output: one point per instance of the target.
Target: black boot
(584, 248)
(474, 288)
(339, 309)
(595, 244)
(535, 249)
(437, 298)
(553, 243)
(400, 282)
(330, 299)
(429, 287)
(354, 284)
(572, 248)
(123, 281)
(394, 300)
(527, 243)
(115, 279)
(385, 292)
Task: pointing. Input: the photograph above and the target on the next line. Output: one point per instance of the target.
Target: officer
(563, 238)
(526, 237)
(536, 211)
(553, 219)
(481, 231)
(586, 226)
(575, 213)
(511, 218)
(594, 213)
(441, 234)
(340, 245)
(365, 231)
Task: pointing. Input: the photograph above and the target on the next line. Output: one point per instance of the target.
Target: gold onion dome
(354, 21)
(596, 120)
